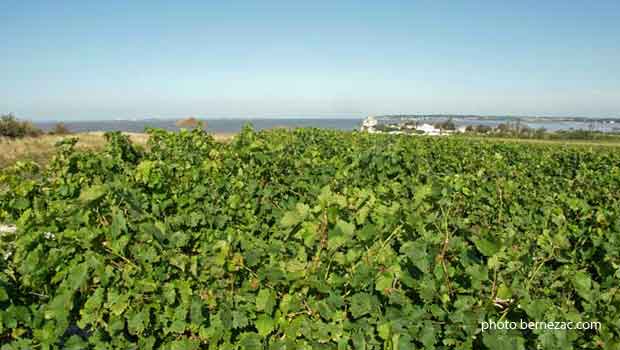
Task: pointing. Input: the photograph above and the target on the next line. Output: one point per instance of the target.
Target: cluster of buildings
(372, 125)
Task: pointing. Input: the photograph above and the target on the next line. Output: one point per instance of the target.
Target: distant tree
(518, 126)
(191, 122)
(382, 127)
(60, 129)
(524, 130)
(449, 125)
(483, 129)
(387, 127)
(446, 125)
(504, 128)
(11, 127)
(540, 133)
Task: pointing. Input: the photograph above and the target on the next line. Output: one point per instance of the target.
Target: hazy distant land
(232, 125)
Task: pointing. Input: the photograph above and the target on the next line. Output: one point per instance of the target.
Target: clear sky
(123, 59)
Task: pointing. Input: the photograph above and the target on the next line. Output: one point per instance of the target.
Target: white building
(369, 125)
(429, 130)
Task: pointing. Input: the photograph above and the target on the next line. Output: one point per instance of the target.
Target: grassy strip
(41, 149)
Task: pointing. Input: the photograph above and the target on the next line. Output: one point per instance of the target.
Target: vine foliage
(309, 239)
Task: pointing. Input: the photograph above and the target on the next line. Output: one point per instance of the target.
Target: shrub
(11, 127)
(483, 129)
(446, 125)
(191, 123)
(60, 129)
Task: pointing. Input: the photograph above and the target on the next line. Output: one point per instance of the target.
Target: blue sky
(125, 59)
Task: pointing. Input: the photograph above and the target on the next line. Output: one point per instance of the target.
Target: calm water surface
(213, 125)
(234, 125)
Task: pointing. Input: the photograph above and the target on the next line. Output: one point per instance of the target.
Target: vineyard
(309, 239)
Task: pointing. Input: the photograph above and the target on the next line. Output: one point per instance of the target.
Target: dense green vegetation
(310, 239)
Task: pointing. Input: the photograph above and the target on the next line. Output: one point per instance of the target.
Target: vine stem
(444, 250)
(323, 243)
(494, 286)
(122, 257)
(253, 274)
(529, 280)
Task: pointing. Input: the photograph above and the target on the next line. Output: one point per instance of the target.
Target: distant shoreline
(233, 125)
(215, 126)
(507, 118)
(207, 119)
